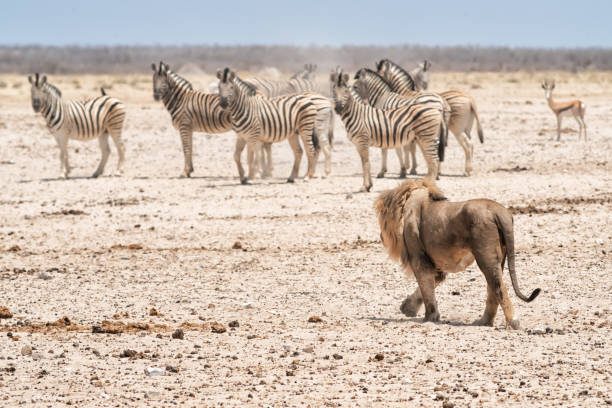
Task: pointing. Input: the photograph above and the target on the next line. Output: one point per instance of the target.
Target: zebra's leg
(104, 147)
(400, 156)
(559, 119)
(297, 153)
(187, 142)
(413, 167)
(430, 153)
(383, 168)
(468, 149)
(252, 148)
(364, 154)
(120, 152)
(64, 163)
(240, 143)
(268, 166)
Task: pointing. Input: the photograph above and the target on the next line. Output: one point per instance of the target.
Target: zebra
(368, 126)
(96, 117)
(463, 106)
(300, 82)
(257, 118)
(191, 110)
(380, 95)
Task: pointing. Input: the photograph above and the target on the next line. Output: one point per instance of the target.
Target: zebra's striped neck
(354, 112)
(240, 104)
(379, 91)
(178, 87)
(52, 109)
(399, 79)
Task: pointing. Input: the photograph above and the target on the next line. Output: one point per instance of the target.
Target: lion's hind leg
(488, 316)
(492, 270)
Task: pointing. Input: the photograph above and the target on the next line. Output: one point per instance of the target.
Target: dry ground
(271, 255)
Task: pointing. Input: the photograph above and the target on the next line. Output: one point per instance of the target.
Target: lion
(432, 237)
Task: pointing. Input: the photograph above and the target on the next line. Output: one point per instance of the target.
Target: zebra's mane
(376, 77)
(52, 89)
(400, 69)
(179, 80)
(250, 89)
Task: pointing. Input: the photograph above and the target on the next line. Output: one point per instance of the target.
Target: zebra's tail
(479, 128)
(442, 140)
(102, 91)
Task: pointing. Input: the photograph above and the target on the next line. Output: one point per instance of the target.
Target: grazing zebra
(463, 106)
(575, 108)
(191, 110)
(96, 117)
(368, 126)
(380, 95)
(256, 118)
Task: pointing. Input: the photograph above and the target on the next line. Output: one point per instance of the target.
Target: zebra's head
(340, 89)
(226, 86)
(548, 88)
(421, 75)
(160, 80)
(382, 67)
(39, 93)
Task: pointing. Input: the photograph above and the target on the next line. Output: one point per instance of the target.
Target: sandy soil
(283, 292)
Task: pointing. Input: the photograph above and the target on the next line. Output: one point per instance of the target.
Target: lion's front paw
(409, 307)
(483, 321)
(432, 314)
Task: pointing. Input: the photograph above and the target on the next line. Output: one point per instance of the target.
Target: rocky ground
(281, 295)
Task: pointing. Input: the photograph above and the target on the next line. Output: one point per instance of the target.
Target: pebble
(154, 371)
(26, 351)
(44, 275)
(178, 334)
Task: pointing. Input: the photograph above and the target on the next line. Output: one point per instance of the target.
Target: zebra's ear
(219, 73)
(153, 67)
(230, 76)
(333, 77)
(30, 79)
(43, 80)
(345, 78)
(426, 65)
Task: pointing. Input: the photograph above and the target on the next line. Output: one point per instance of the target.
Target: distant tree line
(137, 59)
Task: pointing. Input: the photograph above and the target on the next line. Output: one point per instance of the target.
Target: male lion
(432, 237)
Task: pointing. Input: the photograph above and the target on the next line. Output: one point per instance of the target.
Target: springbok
(560, 109)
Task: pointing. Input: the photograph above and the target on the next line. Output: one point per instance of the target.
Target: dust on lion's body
(432, 237)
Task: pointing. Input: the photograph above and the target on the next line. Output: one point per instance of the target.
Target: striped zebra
(300, 82)
(379, 94)
(368, 126)
(191, 110)
(463, 106)
(257, 118)
(96, 117)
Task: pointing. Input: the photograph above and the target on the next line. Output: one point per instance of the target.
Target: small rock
(337, 356)
(237, 245)
(308, 349)
(172, 369)
(247, 305)
(407, 380)
(178, 334)
(152, 394)
(14, 248)
(455, 293)
(5, 313)
(154, 371)
(128, 353)
(448, 404)
(537, 330)
(44, 275)
(314, 319)
(26, 351)
(154, 312)
(217, 327)
(234, 323)
(348, 196)
(290, 373)
(379, 357)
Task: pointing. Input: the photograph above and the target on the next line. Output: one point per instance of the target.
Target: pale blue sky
(517, 23)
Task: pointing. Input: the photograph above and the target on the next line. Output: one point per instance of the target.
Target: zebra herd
(388, 108)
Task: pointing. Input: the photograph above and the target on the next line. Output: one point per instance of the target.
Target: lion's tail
(504, 224)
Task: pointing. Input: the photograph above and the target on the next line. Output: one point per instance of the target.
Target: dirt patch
(63, 212)
(559, 205)
(129, 247)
